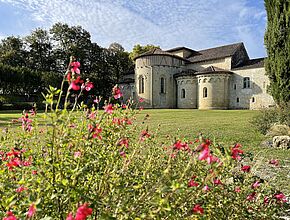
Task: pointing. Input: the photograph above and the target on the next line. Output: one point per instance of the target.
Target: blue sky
(197, 24)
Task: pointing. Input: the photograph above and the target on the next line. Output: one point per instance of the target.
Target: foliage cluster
(277, 41)
(43, 52)
(87, 163)
(269, 117)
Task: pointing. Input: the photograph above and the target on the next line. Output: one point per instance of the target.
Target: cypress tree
(277, 42)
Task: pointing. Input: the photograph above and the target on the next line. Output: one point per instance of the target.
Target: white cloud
(168, 23)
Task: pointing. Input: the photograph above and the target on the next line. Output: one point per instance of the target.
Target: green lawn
(226, 127)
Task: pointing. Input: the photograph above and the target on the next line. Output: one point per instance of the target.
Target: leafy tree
(12, 51)
(138, 50)
(39, 50)
(277, 41)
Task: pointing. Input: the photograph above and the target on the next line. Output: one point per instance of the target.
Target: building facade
(216, 78)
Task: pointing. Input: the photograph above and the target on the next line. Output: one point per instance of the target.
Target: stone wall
(217, 91)
(186, 92)
(254, 97)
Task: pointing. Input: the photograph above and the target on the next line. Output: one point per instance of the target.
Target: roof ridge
(225, 45)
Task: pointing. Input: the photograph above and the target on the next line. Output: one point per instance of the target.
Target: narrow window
(204, 92)
(253, 99)
(264, 85)
(235, 86)
(141, 84)
(246, 84)
(238, 100)
(162, 85)
(183, 93)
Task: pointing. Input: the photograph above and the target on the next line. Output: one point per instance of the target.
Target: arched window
(246, 83)
(235, 86)
(162, 85)
(238, 99)
(253, 99)
(183, 93)
(141, 84)
(204, 92)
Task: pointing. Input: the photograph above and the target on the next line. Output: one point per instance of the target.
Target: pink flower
(34, 172)
(97, 130)
(20, 189)
(180, 146)
(237, 189)
(109, 109)
(10, 216)
(198, 209)
(266, 200)
(75, 67)
(204, 154)
(206, 188)
(83, 212)
(97, 100)
(117, 92)
(274, 162)
(211, 159)
(77, 154)
(31, 211)
(256, 184)
(246, 169)
(89, 86)
(70, 217)
(122, 154)
(141, 100)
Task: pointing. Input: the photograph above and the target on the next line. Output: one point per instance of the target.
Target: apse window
(246, 84)
(141, 84)
(253, 99)
(162, 85)
(183, 93)
(204, 92)
(238, 100)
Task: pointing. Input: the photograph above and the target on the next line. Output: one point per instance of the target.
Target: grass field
(225, 127)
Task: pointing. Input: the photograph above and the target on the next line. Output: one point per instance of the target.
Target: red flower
(198, 209)
(144, 135)
(109, 109)
(236, 152)
(31, 211)
(124, 142)
(34, 172)
(251, 196)
(20, 189)
(83, 212)
(180, 146)
(117, 92)
(192, 183)
(280, 197)
(75, 67)
(141, 100)
(10, 216)
(217, 182)
(75, 84)
(246, 169)
(68, 76)
(266, 200)
(97, 130)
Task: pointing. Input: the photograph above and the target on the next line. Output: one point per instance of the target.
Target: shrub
(269, 117)
(88, 163)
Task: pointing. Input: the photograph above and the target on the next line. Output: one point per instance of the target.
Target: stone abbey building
(216, 78)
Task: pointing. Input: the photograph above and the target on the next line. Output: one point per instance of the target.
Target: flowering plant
(87, 163)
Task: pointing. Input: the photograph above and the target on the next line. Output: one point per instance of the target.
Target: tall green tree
(139, 49)
(277, 41)
(12, 52)
(39, 48)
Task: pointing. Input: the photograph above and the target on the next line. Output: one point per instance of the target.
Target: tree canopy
(138, 50)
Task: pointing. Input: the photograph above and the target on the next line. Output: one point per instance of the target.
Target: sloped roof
(189, 72)
(249, 64)
(180, 48)
(212, 69)
(157, 51)
(216, 53)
